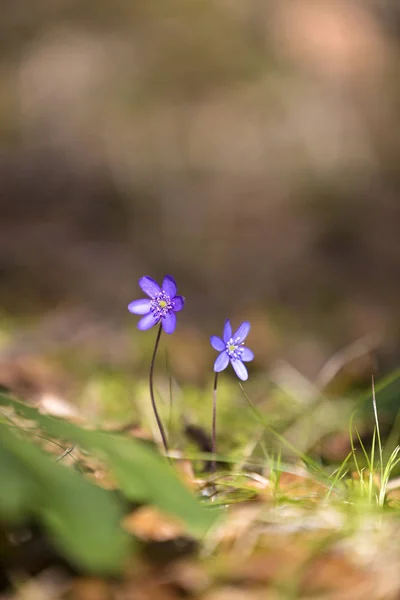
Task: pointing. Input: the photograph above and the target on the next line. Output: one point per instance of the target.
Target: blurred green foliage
(84, 520)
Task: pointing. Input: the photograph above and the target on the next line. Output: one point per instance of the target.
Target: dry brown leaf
(238, 523)
(190, 578)
(269, 566)
(90, 588)
(393, 498)
(149, 523)
(232, 593)
(148, 589)
(300, 486)
(335, 573)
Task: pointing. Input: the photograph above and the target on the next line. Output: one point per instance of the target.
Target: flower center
(161, 305)
(233, 349)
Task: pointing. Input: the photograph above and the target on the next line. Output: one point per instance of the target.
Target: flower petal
(140, 307)
(247, 354)
(148, 321)
(227, 331)
(149, 286)
(217, 343)
(240, 369)
(222, 362)
(169, 286)
(178, 303)
(241, 334)
(169, 322)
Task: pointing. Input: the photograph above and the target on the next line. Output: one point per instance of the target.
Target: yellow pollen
(162, 304)
(231, 348)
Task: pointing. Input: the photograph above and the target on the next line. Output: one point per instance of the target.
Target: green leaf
(18, 489)
(147, 477)
(142, 474)
(83, 520)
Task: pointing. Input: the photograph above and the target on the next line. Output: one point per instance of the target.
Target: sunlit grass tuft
(372, 480)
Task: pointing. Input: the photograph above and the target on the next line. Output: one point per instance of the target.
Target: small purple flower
(162, 306)
(232, 349)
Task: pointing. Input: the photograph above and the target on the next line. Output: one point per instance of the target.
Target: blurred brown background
(251, 149)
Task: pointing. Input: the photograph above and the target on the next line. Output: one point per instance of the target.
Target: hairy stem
(153, 402)
(214, 426)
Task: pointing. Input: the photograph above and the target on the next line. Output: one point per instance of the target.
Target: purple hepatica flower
(162, 306)
(232, 349)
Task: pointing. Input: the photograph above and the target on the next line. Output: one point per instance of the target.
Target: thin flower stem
(169, 428)
(214, 426)
(153, 402)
